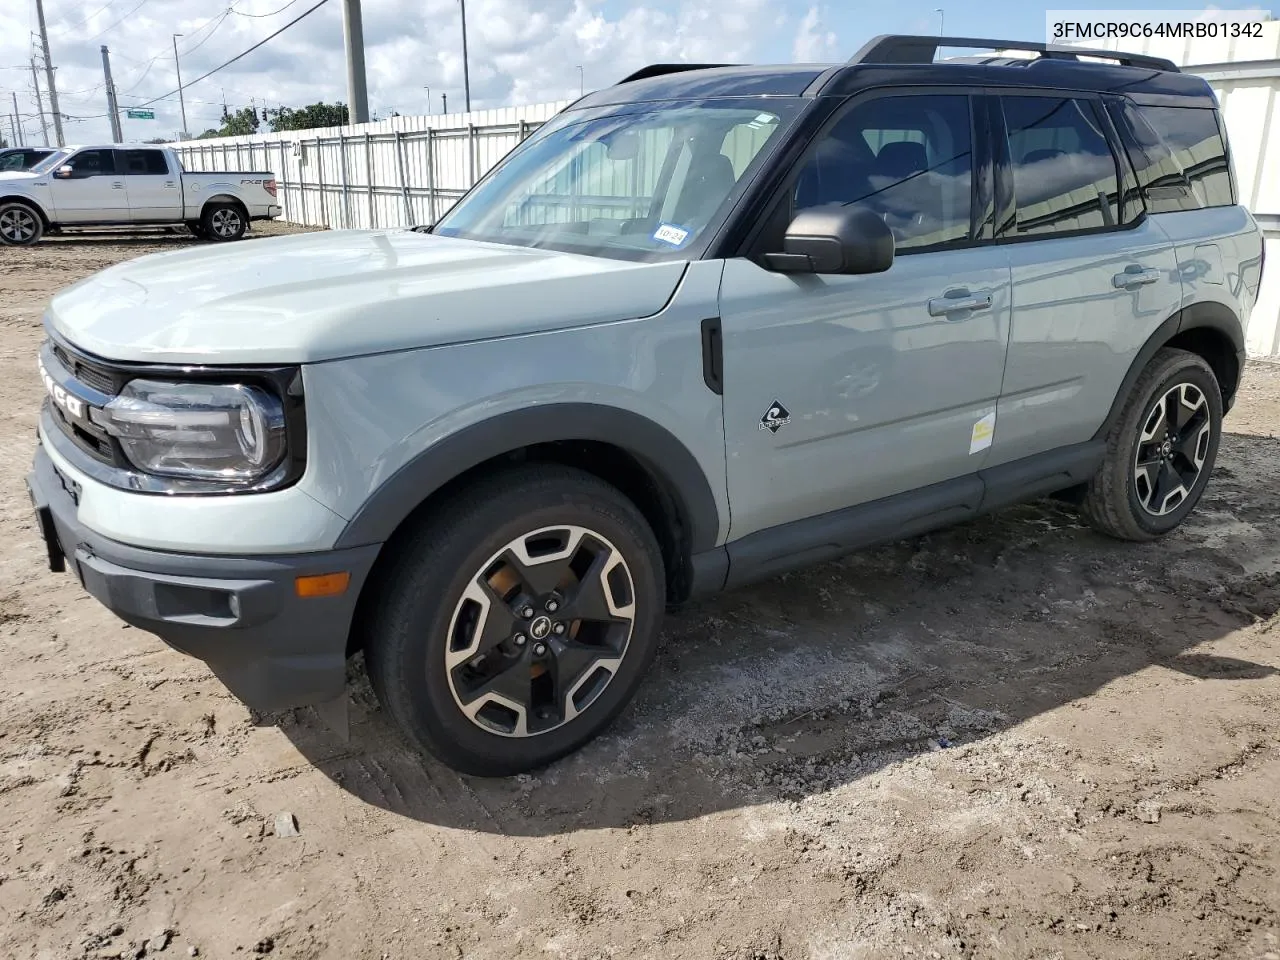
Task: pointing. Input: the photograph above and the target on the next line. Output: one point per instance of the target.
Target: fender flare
(667, 459)
(1205, 315)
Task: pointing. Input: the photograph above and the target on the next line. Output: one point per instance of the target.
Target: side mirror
(65, 172)
(834, 239)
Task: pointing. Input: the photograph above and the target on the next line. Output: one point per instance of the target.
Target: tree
(239, 124)
(308, 118)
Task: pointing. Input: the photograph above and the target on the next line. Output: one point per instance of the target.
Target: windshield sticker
(670, 233)
(762, 120)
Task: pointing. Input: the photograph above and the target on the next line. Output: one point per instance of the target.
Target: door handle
(1135, 276)
(170, 184)
(117, 186)
(958, 301)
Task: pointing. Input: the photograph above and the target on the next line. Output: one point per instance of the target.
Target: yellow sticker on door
(983, 431)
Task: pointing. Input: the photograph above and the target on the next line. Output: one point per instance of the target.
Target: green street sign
(140, 114)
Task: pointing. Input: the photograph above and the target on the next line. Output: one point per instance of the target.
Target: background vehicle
(708, 325)
(17, 159)
(130, 186)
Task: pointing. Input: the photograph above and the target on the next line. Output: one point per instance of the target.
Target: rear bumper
(241, 615)
(273, 211)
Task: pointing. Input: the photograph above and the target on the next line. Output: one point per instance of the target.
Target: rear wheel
(519, 622)
(223, 221)
(20, 225)
(1161, 450)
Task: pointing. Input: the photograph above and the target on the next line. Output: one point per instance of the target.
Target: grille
(86, 373)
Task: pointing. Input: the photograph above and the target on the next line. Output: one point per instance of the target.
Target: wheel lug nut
(526, 612)
(519, 639)
(553, 606)
(557, 628)
(539, 648)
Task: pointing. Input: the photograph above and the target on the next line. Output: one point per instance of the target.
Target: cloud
(814, 43)
(520, 51)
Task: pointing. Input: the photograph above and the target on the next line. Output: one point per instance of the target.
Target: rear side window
(142, 162)
(1179, 155)
(1065, 175)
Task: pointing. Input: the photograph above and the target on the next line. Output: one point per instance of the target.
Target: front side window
(1064, 174)
(12, 161)
(142, 163)
(910, 159)
(92, 163)
(51, 162)
(642, 184)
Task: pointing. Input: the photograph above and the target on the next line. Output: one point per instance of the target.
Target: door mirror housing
(65, 172)
(834, 239)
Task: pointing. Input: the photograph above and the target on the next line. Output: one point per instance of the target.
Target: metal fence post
(524, 129)
(324, 206)
(283, 185)
(368, 179)
(404, 183)
(471, 150)
(302, 180)
(431, 174)
(342, 172)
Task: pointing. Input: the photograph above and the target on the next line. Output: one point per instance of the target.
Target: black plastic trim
(1210, 316)
(665, 457)
(920, 49)
(1040, 475)
(241, 615)
(713, 355)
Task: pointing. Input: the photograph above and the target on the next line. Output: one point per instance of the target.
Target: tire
(587, 550)
(222, 222)
(1150, 480)
(20, 225)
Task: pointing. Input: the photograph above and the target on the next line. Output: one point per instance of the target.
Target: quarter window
(1064, 173)
(1180, 157)
(910, 159)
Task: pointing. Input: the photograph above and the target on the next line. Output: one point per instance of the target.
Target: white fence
(391, 173)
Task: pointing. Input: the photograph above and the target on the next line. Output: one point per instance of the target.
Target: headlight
(204, 431)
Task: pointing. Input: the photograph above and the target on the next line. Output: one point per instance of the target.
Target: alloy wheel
(225, 222)
(540, 631)
(18, 225)
(1172, 449)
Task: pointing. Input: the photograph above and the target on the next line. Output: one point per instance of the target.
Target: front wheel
(1161, 450)
(518, 623)
(20, 225)
(223, 221)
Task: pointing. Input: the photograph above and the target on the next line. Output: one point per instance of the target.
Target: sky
(520, 51)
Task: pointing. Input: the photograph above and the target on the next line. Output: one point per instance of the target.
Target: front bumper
(241, 615)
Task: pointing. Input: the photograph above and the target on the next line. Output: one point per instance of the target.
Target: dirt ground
(1010, 739)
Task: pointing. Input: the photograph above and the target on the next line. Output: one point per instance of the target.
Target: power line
(192, 83)
(132, 11)
(263, 16)
(84, 21)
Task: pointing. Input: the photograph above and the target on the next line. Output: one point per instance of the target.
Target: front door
(93, 192)
(840, 390)
(154, 192)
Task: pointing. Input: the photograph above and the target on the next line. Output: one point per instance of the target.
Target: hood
(11, 175)
(324, 296)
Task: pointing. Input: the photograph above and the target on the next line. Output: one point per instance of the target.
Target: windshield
(643, 184)
(51, 161)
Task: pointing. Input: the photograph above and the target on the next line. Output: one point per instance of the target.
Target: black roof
(907, 60)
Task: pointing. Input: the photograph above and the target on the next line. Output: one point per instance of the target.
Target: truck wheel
(223, 221)
(518, 621)
(1161, 450)
(20, 225)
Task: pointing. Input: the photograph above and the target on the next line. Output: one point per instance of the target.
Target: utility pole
(353, 36)
(182, 100)
(48, 70)
(35, 80)
(444, 102)
(113, 109)
(466, 71)
(17, 127)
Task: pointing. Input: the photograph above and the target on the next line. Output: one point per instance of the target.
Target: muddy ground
(1011, 739)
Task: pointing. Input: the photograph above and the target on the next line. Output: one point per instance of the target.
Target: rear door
(154, 191)
(1093, 275)
(93, 192)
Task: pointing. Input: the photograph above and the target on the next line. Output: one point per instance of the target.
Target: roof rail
(662, 69)
(903, 48)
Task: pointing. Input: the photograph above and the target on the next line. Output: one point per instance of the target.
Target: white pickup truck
(130, 185)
